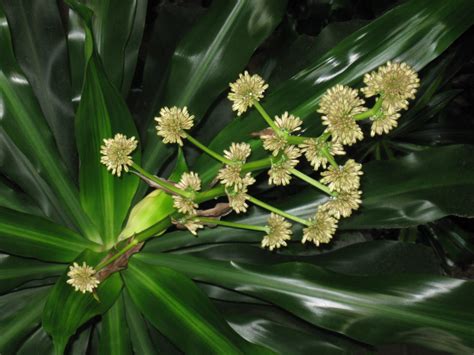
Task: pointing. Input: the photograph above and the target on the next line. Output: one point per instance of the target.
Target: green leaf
(210, 56)
(36, 237)
(38, 343)
(406, 308)
(66, 309)
(16, 271)
(409, 32)
(282, 332)
(16, 200)
(101, 114)
(154, 207)
(174, 305)
(114, 334)
(21, 118)
(139, 334)
(118, 29)
(40, 48)
(20, 314)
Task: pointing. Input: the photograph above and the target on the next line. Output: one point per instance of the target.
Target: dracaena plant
(139, 215)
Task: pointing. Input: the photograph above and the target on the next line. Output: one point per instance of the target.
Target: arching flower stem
(163, 183)
(267, 117)
(278, 211)
(208, 151)
(371, 112)
(219, 222)
(329, 157)
(311, 181)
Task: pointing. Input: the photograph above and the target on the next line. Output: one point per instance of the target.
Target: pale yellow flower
(343, 204)
(82, 278)
(193, 225)
(313, 150)
(343, 178)
(279, 231)
(237, 197)
(238, 152)
(279, 173)
(116, 153)
(245, 91)
(288, 124)
(339, 105)
(396, 82)
(384, 122)
(173, 123)
(190, 182)
(322, 228)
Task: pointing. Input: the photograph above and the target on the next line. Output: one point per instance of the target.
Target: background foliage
(75, 72)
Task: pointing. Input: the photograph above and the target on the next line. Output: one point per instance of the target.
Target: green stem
(330, 158)
(209, 194)
(207, 150)
(266, 117)
(208, 220)
(369, 113)
(163, 183)
(311, 181)
(257, 165)
(277, 211)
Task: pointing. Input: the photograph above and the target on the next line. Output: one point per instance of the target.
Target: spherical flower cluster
(279, 173)
(343, 178)
(82, 278)
(343, 204)
(339, 105)
(313, 151)
(322, 228)
(396, 82)
(287, 124)
(384, 121)
(236, 183)
(192, 224)
(245, 91)
(173, 123)
(190, 182)
(279, 231)
(116, 153)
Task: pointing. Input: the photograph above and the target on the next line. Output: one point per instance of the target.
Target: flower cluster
(173, 123)
(82, 278)
(246, 90)
(341, 108)
(235, 181)
(116, 153)
(396, 83)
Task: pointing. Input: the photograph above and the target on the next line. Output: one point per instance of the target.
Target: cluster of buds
(341, 109)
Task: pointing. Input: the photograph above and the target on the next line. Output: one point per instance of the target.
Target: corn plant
(207, 179)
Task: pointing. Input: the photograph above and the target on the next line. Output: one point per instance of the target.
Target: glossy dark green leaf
(38, 343)
(139, 335)
(21, 118)
(181, 311)
(15, 271)
(114, 335)
(283, 333)
(20, 315)
(40, 48)
(36, 237)
(172, 22)
(17, 200)
(416, 32)
(101, 114)
(210, 56)
(118, 29)
(18, 169)
(456, 243)
(406, 308)
(66, 310)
